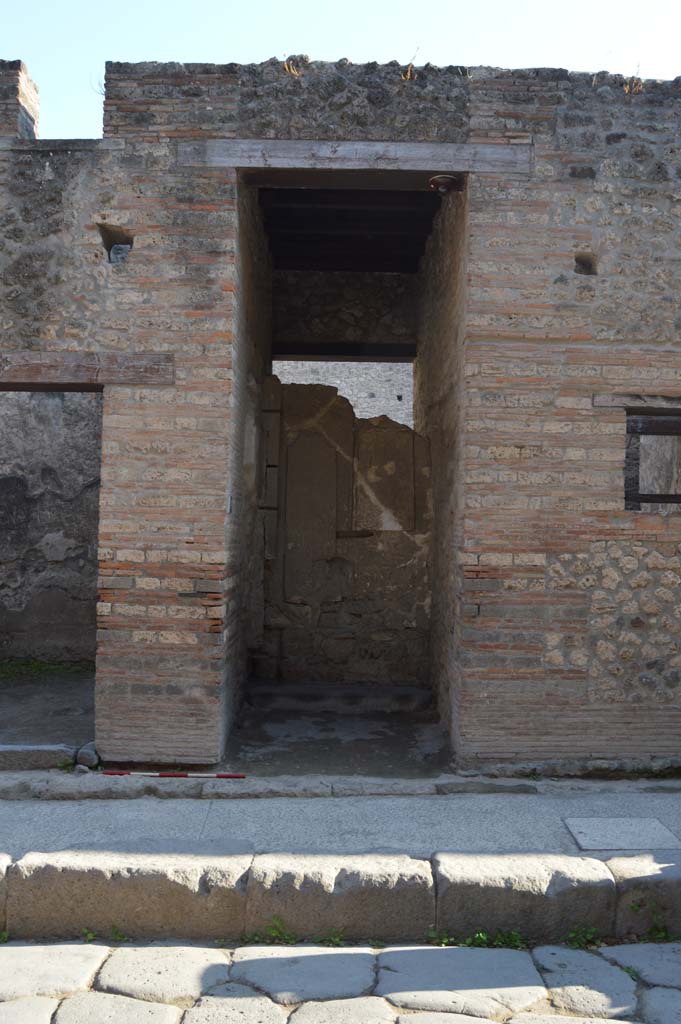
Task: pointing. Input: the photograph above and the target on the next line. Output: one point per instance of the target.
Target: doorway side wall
(439, 397)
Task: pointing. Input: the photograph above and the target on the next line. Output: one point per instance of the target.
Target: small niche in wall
(117, 241)
(586, 263)
(652, 471)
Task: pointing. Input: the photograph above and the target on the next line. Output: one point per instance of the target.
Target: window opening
(653, 460)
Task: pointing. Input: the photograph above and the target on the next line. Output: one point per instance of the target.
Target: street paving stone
(34, 969)
(164, 973)
(479, 982)
(162, 983)
(655, 963)
(235, 1004)
(552, 1018)
(583, 983)
(661, 1006)
(101, 1008)
(443, 1018)
(295, 975)
(30, 1010)
(364, 1010)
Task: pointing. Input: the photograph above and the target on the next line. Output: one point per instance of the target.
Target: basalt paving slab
(586, 984)
(235, 1004)
(443, 1018)
(551, 1018)
(653, 962)
(364, 1010)
(35, 969)
(622, 834)
(293, 975)
(100, 1008)
(164, 974)
(661, 1006)
(29, 1010)
(478, 982)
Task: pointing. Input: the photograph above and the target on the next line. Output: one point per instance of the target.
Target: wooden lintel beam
(34, 370)
(510, 159)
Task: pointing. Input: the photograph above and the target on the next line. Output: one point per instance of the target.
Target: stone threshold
(70, 784)
(204, 894)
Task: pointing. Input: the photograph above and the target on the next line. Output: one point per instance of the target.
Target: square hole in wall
(653, 461)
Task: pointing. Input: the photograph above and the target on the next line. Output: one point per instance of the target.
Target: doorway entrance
(339, 632)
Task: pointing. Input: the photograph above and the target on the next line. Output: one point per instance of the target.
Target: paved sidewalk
(418, 825)
(80, 983)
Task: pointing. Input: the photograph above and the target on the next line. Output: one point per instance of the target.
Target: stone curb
(60, 785)
(383, 898)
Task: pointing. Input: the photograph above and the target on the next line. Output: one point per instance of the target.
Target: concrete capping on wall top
(369, 897)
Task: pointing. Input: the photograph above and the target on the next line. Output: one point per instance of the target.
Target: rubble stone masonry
(556, 610)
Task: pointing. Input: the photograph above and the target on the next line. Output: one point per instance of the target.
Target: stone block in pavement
(584, 983)
(648, 892)
(661, 1006)
(29, 1010)
(477, 982)
(5, 861)
(369, 897)
(47, 970)
(100, 1008)
(145, 895)
(364, 1010)
(443, 1018)
(235, 1004)
(552, 1018)
(656, 963)
(164, 973)
(293, 974)
(541, 896)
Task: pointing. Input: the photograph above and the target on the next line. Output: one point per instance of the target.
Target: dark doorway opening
(339, 656)
(49, 497)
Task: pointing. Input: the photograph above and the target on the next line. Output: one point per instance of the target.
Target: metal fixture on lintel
(442, 183)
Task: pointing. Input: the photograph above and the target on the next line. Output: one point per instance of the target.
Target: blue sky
(66, 42)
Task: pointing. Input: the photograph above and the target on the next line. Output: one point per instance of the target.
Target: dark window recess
(117, 241)
(652, 467)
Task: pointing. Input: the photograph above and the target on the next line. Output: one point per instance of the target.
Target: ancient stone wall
(18, 101)
(165, 576)
(346, 573)
(316, 307)
(49, 491)
(570, 599)
(571, 294)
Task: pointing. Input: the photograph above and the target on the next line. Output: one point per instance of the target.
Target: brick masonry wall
(18, 101)
(569, 646)
(162, 639)
(548, 664)
(438, 413)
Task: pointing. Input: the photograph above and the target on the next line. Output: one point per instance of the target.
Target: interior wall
(318, 307)
(348, 507)
(438, 407)
(245, 541)
(372, 389)
(50, 450)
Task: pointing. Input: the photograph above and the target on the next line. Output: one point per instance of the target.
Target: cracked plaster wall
(49, 490)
